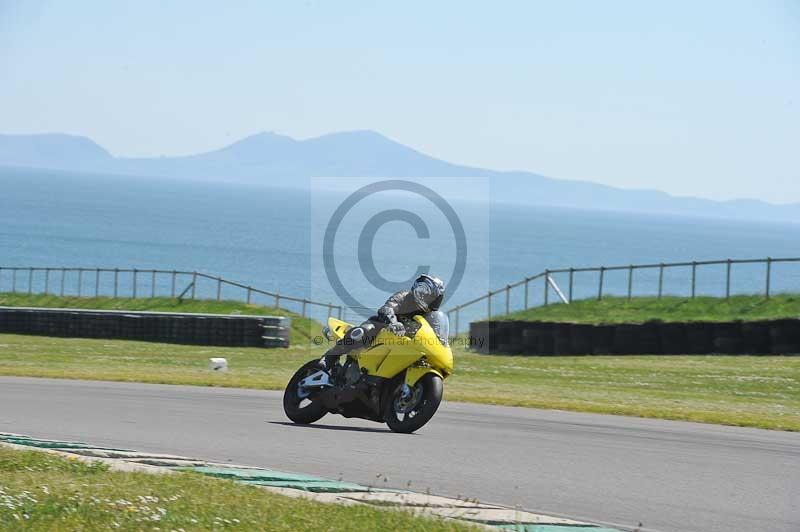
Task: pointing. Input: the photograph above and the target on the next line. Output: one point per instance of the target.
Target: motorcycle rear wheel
(430, 389)
(301, 408)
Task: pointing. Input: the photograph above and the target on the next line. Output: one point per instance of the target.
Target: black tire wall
(654, 337)
(195, 329)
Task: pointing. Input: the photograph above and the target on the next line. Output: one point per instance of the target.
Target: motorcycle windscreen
(440, 324)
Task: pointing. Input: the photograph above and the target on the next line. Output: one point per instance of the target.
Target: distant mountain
(50, 151)
(279, 160)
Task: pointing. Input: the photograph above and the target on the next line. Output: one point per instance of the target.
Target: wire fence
(720, 278)
(690, 279)
(142, 284)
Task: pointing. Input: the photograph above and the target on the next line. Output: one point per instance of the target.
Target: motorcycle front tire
(432, 390)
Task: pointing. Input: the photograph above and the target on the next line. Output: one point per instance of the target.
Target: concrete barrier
(653, 337)
(168, 327)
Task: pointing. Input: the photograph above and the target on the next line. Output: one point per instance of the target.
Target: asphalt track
(669, 476)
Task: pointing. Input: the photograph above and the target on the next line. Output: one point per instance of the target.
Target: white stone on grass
(218, 364)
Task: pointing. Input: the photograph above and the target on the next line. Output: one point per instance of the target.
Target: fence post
(46, 281)
(728, 281)
(340, 312)
(456, 309)
(14, 281)
(546, 286)
(174, 274)
(571, 275)
(1, 278)
(489, 304)
(249, 294)
(769, 274)
(80, 281)
(660, 280)
(278, 303)
(116, 281)
(330, 309)
(694, 278)
(194, 286)
(63, 275)
(304, 308)
(219, 288)
(600, 287)
(508, 293)
(527, 281)
(630, 282)
(153, 285)
(30, 280)
(134, 282)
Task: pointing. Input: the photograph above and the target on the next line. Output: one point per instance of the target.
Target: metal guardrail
(148, 283)
(548, 282)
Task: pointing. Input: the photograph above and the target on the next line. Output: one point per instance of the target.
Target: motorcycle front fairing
(390, 355)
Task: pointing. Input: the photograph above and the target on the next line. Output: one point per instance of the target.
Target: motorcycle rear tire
(310, 413)
(432, 390)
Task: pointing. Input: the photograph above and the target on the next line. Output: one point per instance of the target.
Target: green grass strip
(753, 391)
(670, 309)
(41, 492)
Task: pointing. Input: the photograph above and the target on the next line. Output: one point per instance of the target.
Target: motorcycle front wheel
(408, 412)
(297, 402)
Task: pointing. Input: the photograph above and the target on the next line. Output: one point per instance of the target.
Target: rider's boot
(330, 361)
(354, 338)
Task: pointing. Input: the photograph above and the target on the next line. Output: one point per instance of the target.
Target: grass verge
(641, 309)
(42, 492)
(762, 391)
(303, 329)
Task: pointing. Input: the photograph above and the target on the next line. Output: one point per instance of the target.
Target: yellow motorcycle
(396, 380)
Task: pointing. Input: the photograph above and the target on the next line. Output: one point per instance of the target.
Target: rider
(426, 295)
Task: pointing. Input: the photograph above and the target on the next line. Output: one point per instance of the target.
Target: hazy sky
(695, 98)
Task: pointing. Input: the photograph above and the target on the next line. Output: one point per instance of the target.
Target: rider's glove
(397, 328)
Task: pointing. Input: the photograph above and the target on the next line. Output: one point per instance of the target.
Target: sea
(274, 240)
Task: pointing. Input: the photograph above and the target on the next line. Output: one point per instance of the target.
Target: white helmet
(428, 292)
